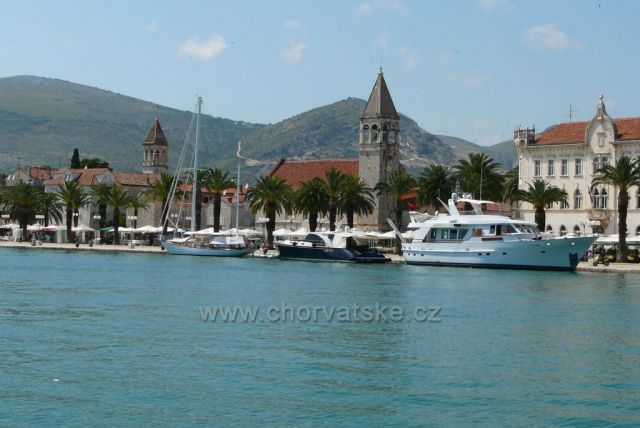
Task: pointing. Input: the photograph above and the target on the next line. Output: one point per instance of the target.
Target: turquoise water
(119, 340)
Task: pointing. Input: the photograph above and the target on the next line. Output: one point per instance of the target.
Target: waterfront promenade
(582, 267)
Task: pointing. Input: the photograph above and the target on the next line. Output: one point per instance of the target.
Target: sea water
(129, 340)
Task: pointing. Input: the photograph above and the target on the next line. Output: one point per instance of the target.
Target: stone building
(379, 157)
(568, 156)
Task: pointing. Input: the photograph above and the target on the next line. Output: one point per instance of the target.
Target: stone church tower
(379, 151)
(156, 151)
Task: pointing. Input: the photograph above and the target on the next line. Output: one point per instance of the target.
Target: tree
(138, 202)
(75, 159)
(355, 197)
(73, 197)
(159, 191)
(94, 163)
(271, 195)
(50, 206)
(624, 175)
(21, 201)
(435, 184)
(312, 199)
(511, 182)
(540, 194)
(333, 184)
(399, 184)
(217, 181)
(100, 193)
(478, 171)
(118, 198)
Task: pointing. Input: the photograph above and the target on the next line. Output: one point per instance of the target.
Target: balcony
(598, 214)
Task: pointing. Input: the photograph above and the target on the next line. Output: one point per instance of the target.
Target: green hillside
(42, 120)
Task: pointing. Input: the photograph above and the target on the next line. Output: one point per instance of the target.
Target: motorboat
(475, 233)
(331, 246)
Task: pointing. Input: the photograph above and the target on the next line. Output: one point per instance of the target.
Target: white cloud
(548, 36)
(205, 49)
(410, 61)
(152, 27)
(496, 5)
(295, 52)
(291, 24)
(468, 80)
(369, 7)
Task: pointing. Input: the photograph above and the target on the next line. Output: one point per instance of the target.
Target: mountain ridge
(43, 119)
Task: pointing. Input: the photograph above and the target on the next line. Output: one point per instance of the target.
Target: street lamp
(75, 219)
(40, 218)
(134, 219)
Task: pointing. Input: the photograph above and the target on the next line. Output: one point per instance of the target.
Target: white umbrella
(34, 228)
(207, 231)
(82, 228)
(387, 235)
(301, 232)
(249, 232)
(611, 239)
(281, 232)
(10, 226)
(148, 229)
(126, 229)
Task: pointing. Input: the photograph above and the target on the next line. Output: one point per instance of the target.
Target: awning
(107, 229)
(82, 228)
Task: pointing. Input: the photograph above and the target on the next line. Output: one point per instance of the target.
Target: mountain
(42, 120)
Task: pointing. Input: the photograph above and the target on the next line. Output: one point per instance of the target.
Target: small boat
(217, 246)
(475, 234)
(330, 246)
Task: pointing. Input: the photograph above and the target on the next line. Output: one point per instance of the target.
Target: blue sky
(470, 68)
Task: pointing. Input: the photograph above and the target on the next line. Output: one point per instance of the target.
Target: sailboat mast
(194, 190)
(238, 200)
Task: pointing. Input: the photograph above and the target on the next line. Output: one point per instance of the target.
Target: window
(550, 169)
(638, 199)
(576, 229)
(447, 234)
(596, 165)
(563, 230)
(603, 199)
(549, 229)
(605, 161)
(578, 164)
(596, 199)
(536, 168)
(564, 170)
(600, 139)
(564, 204)
(638, 230)
(577, 199)
(549, 205)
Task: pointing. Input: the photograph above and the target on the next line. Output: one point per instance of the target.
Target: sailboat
(200, 242)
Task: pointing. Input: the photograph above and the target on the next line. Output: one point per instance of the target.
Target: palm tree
(21, 201)
(540, 194)
(624, 175)
(271, 195)
(217, 181)
(118, 198)
(73, 197)
(50, 206)
(138, 202)
(312, 199)
(479, 175)
(355, 197)
(434, 185)
(511, 181)
(333, 184)
(99, 194)
(399, 184)
(159, 191)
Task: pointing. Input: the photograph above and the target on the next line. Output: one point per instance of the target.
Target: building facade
(569, 156)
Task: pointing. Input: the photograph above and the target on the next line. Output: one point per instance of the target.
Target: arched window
(564, 204)
(374, 133)
(576, 229)
(605, 161)
(563, 230)
(549, 228)
(596, 165)
(596, 198)
(577, 199)
(604, 199)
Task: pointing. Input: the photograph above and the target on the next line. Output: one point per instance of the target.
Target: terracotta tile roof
(574, 132)
(85, 177)
(40, 173)
(295, 172)
(135, 178)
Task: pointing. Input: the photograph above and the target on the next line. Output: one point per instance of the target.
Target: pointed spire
(380, 104)
(156, 135)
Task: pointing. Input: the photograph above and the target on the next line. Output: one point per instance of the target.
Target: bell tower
(156, 150)
(379, 150)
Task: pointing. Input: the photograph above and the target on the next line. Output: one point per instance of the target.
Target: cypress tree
(75, 159)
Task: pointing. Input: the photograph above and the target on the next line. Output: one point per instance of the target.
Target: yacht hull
(547, 254)
(185, 250)
(325, 254)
